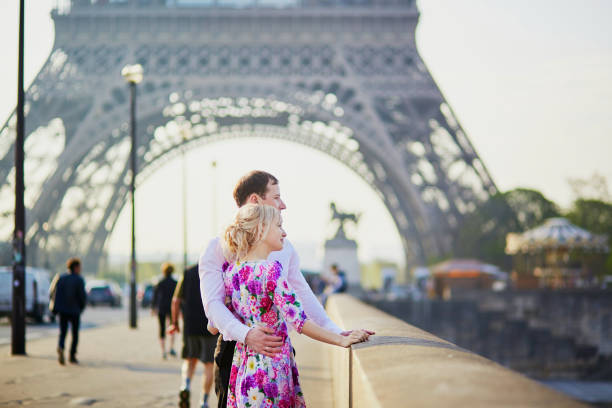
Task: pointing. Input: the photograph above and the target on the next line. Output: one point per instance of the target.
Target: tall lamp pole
(18, 306)
(133, 76)
(184, 191)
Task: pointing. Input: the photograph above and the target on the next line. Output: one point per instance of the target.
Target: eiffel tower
(340, 76)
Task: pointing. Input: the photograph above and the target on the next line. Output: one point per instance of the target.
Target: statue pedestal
(343, 252)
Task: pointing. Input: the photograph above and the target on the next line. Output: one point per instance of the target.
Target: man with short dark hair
(255, 182)
(69, 303)
(256, 187)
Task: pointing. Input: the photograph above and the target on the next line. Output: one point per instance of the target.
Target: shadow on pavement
(113, 364)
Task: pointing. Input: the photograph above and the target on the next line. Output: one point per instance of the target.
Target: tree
(530, 207)
(594, 216)
(482, 234)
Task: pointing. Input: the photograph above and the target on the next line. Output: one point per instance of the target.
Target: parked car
(100, 292)
(36, 292)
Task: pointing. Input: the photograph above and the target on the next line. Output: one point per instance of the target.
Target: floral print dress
(259, 295)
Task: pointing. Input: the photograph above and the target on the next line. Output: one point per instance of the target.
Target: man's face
(273, 197)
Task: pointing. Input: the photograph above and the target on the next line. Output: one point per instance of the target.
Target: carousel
(557, 254)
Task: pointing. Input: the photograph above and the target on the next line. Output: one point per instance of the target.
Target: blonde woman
(261, 296)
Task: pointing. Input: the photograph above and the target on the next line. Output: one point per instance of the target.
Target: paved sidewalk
(120, 367)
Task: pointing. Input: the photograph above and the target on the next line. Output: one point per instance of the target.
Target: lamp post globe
(132, 74)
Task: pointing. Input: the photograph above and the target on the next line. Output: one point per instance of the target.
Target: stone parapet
(405, 366)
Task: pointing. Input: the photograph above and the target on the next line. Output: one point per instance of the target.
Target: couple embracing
(253, 293)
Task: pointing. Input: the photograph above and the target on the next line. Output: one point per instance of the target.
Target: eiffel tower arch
(343, 77)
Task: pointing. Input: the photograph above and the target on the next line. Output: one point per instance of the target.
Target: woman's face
(276, 235)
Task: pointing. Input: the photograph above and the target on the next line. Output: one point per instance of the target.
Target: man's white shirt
(212, 290)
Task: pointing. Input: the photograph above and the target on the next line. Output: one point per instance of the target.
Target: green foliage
(530, 207)
(482, 234)
(608, 265)
(592, 215)
(596, 217)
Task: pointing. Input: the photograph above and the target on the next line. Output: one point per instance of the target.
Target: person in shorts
(198, 343)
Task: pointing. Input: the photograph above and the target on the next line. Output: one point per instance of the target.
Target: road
(92, 317)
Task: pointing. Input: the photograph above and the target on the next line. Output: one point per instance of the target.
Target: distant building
(455, 275)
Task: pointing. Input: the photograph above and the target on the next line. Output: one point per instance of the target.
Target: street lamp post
(133, 76)
(184, 191)
(18, 287)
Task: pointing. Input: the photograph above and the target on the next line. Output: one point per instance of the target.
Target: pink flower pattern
(257, 380)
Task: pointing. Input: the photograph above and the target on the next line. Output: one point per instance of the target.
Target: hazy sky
(530, 81)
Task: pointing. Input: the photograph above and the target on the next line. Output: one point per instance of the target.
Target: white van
(36, 291)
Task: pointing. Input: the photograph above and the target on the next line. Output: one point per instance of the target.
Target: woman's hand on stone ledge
(364, 334)
(356, 336)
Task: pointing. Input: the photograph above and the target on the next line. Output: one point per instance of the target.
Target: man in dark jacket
(162, 299)
(69, 303)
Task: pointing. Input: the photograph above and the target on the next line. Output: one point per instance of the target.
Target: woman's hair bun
(251, 224)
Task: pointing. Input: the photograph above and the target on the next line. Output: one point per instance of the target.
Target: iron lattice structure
(343, 77)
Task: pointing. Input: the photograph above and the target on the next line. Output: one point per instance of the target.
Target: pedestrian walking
(161, 304)
(69, 299)
(198, 342)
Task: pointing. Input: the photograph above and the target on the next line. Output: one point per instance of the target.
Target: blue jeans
(75, 321)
